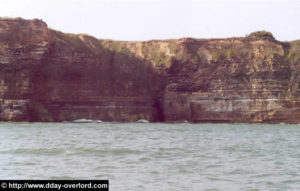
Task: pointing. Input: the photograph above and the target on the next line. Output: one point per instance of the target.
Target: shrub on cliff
(261, 34)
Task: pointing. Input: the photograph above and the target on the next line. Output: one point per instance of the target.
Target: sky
(162, 19)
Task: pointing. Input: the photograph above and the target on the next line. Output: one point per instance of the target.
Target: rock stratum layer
(47, 75)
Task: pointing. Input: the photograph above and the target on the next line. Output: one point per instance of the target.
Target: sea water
(155, 156)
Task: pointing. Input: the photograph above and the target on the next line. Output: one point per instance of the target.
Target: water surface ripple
(155, 156)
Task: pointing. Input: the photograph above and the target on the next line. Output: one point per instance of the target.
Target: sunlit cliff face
(47, 75)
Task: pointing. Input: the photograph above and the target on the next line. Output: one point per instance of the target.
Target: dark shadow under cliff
(112, 86)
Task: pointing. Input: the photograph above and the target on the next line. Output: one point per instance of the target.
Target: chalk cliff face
(46, 75)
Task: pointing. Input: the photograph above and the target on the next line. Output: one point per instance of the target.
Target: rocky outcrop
(46, 75)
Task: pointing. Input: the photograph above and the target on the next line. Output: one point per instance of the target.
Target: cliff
(47, 75)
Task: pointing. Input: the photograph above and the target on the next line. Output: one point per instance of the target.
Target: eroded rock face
(46, 75)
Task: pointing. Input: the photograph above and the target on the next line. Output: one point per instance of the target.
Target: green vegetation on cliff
(294, 53)
(261, 34)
